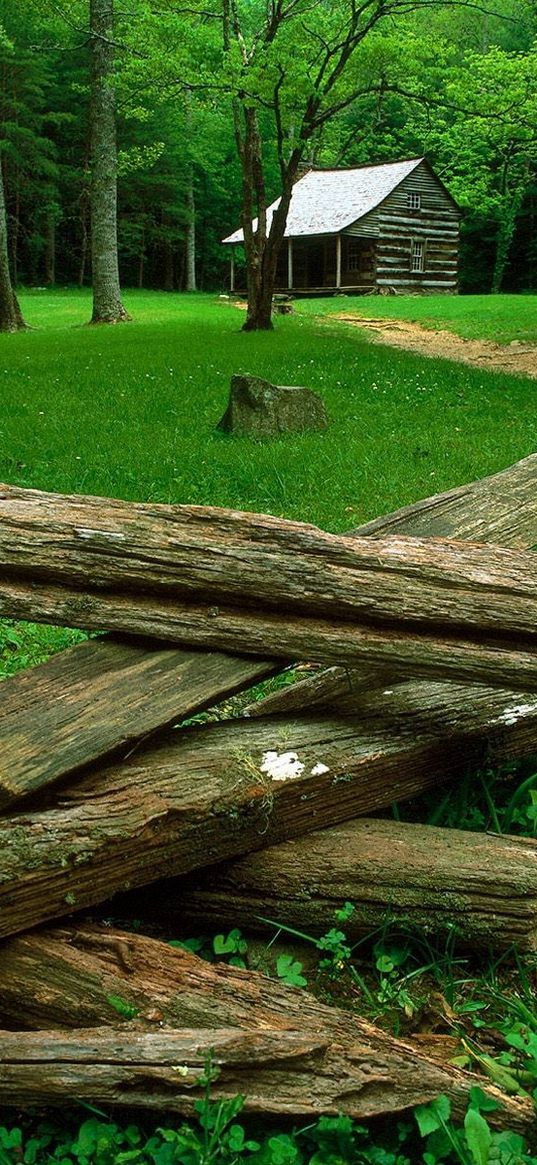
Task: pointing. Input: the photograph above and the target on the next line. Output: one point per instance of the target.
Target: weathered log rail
(111, 805)
(296, 1073)
(211, 578)
(480, 889)
(200, 795)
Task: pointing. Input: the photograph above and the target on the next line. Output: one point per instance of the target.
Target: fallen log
(278, 1073)
(103, 696)
(208, 793)
(211, 578)
(479, 888)
(286, 1052)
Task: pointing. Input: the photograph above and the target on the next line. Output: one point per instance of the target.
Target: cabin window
(417, 255)
(353, 255)
(413, 201)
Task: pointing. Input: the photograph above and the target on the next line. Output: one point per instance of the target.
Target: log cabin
(392, 227)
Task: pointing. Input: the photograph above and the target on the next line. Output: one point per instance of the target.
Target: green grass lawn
(501, 318)
(130, 411)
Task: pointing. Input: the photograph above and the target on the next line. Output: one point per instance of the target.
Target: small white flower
(281, 766)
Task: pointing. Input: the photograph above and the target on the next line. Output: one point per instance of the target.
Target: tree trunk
(107, 305)
(479, 889)
(202, 795)
(511, 204)
(50, 250)
(259, 311)
(190, 240)
(262, 239)
(83, 243)
(84, 204)
(315, 1058)
(103, 696)
(263, 244)
(190, 234)
(259, 307)
(212, 578)
(15, 233)
(11, 319)
(141, 261)
(168, 283)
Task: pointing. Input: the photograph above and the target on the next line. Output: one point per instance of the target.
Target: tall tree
(107, 304)
(296, 62)
(11, 319)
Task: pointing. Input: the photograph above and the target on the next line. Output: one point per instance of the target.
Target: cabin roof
(325, 202)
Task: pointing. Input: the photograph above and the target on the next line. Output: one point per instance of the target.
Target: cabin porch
(318, 265)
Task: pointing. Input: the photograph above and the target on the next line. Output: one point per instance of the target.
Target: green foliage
(290, 971)
(219, 1137)
(473, 1144)
(233, 945)
(24, 645)
(451, 81)
(124, 1009)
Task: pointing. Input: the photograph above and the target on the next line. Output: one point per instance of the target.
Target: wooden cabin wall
(435, 224)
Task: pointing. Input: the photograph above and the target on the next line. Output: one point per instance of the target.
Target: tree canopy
(219, 102)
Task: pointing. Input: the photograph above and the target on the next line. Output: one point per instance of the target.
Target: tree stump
(258, 408)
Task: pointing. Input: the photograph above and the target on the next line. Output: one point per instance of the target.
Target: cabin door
(316, 265)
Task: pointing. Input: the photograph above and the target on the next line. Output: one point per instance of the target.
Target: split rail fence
(427, 619)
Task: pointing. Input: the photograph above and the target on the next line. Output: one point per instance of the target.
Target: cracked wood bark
(200, 795)
(212, 578)
(480, 888)
(101, 696)
(296, 1073)
(343, 1064)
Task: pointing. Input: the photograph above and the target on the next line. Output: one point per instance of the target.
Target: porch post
(232, 271)
(289, 264)
(338, 260)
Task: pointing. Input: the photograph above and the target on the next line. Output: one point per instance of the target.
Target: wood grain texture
(201, 795)
(102, 696)
(479, 888)
(295, 1073)
(70, 973)
(214, 578)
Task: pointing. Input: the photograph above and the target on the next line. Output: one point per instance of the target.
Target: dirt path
(517, 357)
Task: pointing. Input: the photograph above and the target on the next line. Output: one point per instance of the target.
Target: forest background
(456, 82)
